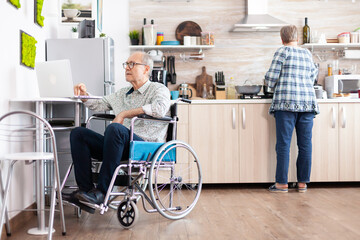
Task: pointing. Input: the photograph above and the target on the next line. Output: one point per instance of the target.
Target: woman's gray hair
(289, 34)
(146, 59)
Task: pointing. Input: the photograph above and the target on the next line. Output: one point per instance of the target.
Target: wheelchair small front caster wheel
(78, 212)
(128, 214)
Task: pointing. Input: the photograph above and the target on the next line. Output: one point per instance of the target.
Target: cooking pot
(248, 89)
(268, 90)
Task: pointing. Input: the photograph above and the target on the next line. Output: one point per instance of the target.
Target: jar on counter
(330, 70)
(344, 37)
(159, 38)
(354, 37)
(207, 38)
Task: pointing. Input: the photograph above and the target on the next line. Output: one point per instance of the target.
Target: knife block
(220, 94)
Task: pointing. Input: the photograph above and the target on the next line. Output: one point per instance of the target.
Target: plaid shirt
(292, 73)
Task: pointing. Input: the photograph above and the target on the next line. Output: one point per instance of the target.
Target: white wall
(18, 81)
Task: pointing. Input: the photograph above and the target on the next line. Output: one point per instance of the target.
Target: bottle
(330, 71)
(153, 31)
(204, 92)
(211, 95)
(142, 32)
(306, 32)
(159, 38)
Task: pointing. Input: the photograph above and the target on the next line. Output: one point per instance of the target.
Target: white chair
(21, 130)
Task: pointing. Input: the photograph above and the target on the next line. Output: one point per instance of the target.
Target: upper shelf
(171, 47)
(332, 46)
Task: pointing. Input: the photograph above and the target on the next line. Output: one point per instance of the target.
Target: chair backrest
(22, 130)
(171, 132)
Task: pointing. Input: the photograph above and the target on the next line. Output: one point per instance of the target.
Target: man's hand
(80, 89)
(119, 118)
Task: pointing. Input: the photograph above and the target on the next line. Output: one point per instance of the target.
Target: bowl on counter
(248, 89)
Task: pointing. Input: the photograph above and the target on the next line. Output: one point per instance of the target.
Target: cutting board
(187, 28)
(201, 79)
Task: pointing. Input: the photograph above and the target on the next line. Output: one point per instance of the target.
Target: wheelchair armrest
(104, 116)
(148, 117)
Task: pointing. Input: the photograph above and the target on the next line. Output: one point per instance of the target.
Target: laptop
(55, 80)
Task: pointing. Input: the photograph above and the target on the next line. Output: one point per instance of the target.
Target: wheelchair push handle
(183, 100)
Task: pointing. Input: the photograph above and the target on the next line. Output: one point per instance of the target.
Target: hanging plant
(38, 8)
(15, 3)
(28, 50)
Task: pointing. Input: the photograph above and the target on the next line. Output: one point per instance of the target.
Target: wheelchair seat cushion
(140, 150)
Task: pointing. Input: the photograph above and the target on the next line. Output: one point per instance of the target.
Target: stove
(254, 96)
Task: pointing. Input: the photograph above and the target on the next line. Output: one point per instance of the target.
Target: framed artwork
(74, 11)
(38, 19)
(99, 14)
(15, 3)
(27, 50)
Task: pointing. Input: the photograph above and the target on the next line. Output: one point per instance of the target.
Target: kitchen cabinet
(349, 141)
(214, 135)
(325, 161)
(235, 142)
(257, 139)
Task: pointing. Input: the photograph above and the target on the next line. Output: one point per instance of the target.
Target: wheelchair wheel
(175, 179)
(127, 213)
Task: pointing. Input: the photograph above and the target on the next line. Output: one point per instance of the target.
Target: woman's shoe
(273, 188)
(301, 189)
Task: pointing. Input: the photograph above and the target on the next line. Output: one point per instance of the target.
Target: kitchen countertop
(237, 101)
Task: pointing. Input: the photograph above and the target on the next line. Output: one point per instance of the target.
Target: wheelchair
(170, 172)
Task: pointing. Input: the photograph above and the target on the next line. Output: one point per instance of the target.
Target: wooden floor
(231, 212)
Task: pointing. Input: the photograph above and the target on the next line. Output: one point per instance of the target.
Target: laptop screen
(54, 78)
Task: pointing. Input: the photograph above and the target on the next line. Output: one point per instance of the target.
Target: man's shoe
(94, 196)
(70, 197)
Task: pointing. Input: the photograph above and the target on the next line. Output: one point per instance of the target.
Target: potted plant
(74, 32)
(102, 35)
(134, 37)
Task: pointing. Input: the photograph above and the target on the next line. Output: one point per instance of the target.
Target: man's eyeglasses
(131, 65)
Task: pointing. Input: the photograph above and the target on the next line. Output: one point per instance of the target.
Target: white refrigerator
(92, 63)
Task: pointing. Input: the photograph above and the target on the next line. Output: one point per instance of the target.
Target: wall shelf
(171, 47)
(330, 46)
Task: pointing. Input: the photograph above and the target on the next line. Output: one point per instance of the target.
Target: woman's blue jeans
(110, 149)
(285, 124)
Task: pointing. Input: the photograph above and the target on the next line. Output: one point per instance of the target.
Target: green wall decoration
(38, 4)
(27, 49)
(15, 3)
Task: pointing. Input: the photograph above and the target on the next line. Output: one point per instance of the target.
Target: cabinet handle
(243, 118)
(333, 122)
(344, 117)
(233, 118)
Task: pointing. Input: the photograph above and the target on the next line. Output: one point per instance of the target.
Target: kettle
(184, 91)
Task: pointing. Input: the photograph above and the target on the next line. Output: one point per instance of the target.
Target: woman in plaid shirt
(292, 73)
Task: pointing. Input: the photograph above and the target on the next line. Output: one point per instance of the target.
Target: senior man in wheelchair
(142, 97)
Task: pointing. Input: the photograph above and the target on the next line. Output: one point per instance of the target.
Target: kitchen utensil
(187, 28)
(185, 91)
(202, 79)
(169, 70)
(248, 89)
(173, 80)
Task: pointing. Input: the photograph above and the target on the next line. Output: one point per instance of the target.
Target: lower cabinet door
(257, 139)
(213, 134)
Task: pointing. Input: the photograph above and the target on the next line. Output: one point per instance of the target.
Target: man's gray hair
(146, 59)
(289, 34)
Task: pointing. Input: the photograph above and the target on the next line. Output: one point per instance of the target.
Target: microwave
(342, 84)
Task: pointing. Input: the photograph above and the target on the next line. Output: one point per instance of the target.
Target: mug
(174, 95)
(71, 13)
(187, 40)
